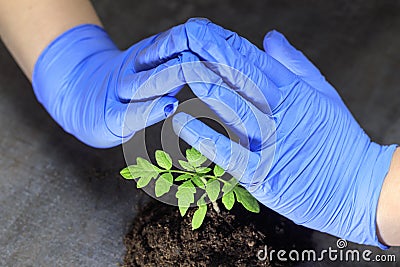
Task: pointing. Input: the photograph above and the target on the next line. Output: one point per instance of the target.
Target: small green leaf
(212, 189)
(218, 171)
(126, 173)
(143, 181)
(192, 154)
(185, 195)
(202, 200)
(135, 171)
(197, 181)
(163, 184)
(143, 170)
(246, 199)
(188, 185)
(163, 159)
(182, 208)
(194, 157)
(200, 213)
(198, 217)
(141, 162)
(229, 185)
(186, 165)
(203, 170)
(228, 199)
(183, 177)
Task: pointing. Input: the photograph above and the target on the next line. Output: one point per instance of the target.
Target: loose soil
(161, 237)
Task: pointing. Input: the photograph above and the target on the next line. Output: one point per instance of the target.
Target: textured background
(64, 204)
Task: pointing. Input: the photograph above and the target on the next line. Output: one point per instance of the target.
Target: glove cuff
(62, 58)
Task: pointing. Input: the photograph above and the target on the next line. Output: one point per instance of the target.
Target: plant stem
(203, 180)
(178, 171)
(215, 177)
(215, 207)
(194, 173)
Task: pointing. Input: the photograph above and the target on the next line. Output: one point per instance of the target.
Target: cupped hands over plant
(193, 176)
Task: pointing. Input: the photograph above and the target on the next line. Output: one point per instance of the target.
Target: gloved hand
(303, 153)
(87, 84)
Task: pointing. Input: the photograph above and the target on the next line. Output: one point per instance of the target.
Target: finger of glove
(238, 73)
(252, 126)
(232, 157)
(196, 36)
(162, 80)
(124, 119)
(278, 73)
(162, 47)
(278, 47)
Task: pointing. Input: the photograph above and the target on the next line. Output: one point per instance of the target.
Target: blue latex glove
(87, 84)
(318, 168)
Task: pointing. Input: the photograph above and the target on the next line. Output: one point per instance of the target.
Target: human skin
(388, 210)
(27, 27)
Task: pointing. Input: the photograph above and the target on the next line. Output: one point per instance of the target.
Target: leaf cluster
(193, 177)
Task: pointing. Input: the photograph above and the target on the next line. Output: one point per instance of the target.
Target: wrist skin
(28, 27)
(388, 209)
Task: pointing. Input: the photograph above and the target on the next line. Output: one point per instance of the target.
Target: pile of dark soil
(161, 237)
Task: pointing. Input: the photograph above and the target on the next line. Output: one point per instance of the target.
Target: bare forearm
(27, 27)
(388, 211)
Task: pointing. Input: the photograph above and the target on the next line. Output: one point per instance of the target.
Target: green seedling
(193, 176)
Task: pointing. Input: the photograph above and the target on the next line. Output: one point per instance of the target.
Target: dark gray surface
(63, 204)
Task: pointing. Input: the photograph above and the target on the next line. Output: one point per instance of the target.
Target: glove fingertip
(273, 39)
(198, 20)
(171, 107)
(272, 33)
(155, 112)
